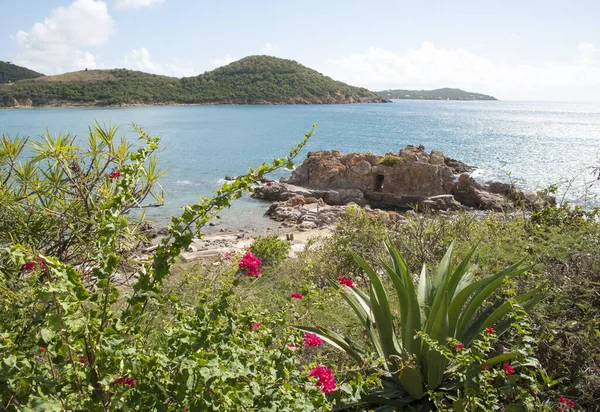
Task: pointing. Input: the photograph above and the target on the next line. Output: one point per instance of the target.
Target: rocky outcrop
(410, 178)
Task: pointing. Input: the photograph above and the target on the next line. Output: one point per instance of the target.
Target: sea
(530, 144)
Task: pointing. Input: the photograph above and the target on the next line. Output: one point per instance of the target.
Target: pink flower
(489, 330)
(565, 404)
(227, 256)
(43, 350)
(509, 370)
(255, 326)
(83, 359)
(310, 339)
(126, 381)
(486, 367)
(114, 174)
(459, 346)
(28, 266)
(293, 345)
(296, 295)
(251, 264)
(325, 379)
(345, 281)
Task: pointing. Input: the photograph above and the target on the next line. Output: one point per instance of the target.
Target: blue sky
(525, 50)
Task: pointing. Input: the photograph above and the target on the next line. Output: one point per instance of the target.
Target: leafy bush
(53, 198)
(270, 249)
(71, 341)
(389, 160)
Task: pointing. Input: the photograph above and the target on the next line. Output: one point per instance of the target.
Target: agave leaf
(483, 293)
(460, 271)
(337, 341)
(443, 268)
(381, 310)
(424, 294)
(412, 321)
(436, 362)
(528, 300)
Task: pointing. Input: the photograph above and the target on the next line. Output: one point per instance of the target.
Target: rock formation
(410, 178)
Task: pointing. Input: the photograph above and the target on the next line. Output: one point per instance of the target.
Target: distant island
(251, 80)
(437, 94)
(11, 73)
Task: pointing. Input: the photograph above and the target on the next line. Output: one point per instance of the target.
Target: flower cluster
(310, 339)
(126, 381)
(28, 266)
(255, 326)
(115, 174)
(346, 282)
(509, 370)
(251, 263)
(565, 404)
(296, 295)
(267, 182)
(325, 378)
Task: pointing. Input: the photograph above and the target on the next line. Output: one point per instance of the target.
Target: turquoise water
(532, 144)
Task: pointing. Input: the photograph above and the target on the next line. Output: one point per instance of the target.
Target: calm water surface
(532, 144)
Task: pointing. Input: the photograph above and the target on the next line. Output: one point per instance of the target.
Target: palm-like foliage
(447, 303)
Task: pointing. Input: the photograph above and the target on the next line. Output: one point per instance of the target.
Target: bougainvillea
(296, 295)
(251, 264)
(326, 380)
(345, 281)
(310, 339)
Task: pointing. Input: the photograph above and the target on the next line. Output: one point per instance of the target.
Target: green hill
(11, 73)
(252, 80)
(437, 94)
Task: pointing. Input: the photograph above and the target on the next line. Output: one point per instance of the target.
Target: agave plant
(446, 303)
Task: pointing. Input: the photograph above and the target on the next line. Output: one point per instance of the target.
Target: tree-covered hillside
(11, 73)
(437, 94)
(252, 80)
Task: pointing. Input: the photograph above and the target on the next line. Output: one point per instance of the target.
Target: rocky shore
(329, 181)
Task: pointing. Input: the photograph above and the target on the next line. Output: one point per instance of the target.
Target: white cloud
(136, 4)
(222, 61)
(430, 67)
(269, 48)
(140, 60)
(55, 44)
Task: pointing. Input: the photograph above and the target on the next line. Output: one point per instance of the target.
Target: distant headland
(437, 94)
(251, 80)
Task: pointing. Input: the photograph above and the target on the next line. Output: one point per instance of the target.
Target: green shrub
(270, 249)
(73, 340)
(447, 305)
(389, 160)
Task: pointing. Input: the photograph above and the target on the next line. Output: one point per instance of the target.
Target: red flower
(251, 264)
(509, 370)
(126, 381)
(83, 359)
(486, 367)
(310, 339)
(489, 330)
(565, 403)
(296, 295)
(293, 345)
(43, 350)
(325, 381)
(459, 346)
(227, 256)
(255, 326)
(345, 281)
(28, 266)
(114, 174)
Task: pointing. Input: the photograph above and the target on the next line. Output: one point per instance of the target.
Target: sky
(515, 50)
